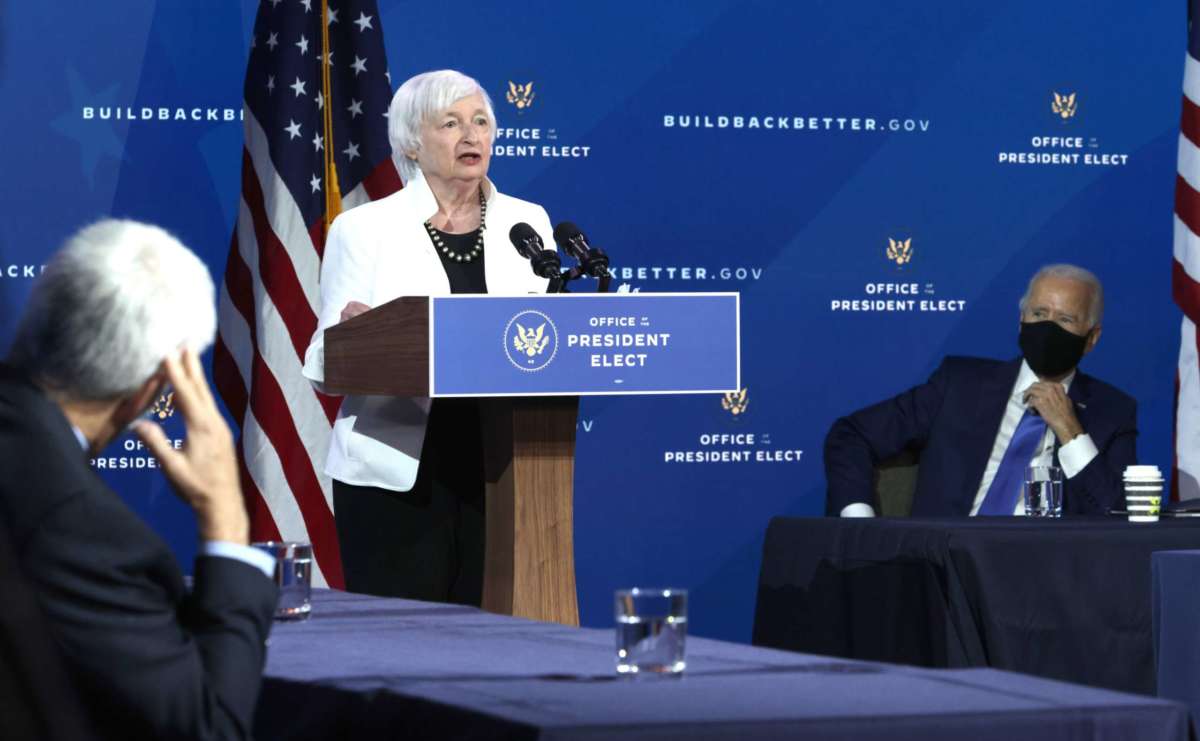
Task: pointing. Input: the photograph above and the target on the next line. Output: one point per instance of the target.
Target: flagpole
(333, 194)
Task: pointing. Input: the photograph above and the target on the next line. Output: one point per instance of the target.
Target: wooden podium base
(529, 451)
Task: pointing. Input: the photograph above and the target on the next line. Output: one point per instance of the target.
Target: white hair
(1076, 273)
(420, 99)
(117, 299)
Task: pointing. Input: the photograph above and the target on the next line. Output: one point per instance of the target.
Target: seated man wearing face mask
(976, 424)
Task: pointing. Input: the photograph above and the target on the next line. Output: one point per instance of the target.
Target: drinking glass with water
(293, 576)
(1043, 491)
(651, 630)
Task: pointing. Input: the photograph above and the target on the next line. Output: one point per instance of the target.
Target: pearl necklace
(476, 249)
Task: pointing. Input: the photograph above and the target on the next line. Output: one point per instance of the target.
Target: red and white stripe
(268, 312)
(1186, 289)
(269, 304)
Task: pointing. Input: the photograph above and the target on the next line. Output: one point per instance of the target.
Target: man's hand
(204, 473)
(353, 309)
(1050, 401)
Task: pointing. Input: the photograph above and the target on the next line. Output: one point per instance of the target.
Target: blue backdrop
(773, 148)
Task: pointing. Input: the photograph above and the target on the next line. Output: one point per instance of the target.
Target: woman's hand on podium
(353, 309)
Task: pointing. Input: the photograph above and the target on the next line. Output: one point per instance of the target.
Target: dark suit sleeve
(856, 443)
(156, 664)
(1099, 486)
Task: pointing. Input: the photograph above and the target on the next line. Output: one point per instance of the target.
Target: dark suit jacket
(149, 659)
(951, 421)
(37, 698)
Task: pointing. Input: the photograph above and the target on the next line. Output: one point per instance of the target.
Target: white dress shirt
(1073, 456)
(247, 554)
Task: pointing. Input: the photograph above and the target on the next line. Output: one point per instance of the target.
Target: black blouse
(465, 277)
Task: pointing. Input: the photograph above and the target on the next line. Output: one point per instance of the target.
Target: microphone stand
(576, 273)
(604, 281)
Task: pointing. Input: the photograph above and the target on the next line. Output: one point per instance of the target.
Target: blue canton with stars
(283, 92)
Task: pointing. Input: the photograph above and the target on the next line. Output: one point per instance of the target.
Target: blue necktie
(1006, 488)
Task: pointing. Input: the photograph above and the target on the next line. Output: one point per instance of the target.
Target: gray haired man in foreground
(122, 310)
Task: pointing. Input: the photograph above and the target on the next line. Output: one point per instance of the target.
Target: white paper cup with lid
(1143, 493)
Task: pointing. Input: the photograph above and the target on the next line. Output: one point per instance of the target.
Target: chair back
(895, 484)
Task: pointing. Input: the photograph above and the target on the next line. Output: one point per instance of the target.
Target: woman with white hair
(407, 474)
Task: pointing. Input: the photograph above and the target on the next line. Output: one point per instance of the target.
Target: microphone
(526, 240)
(545, 263)
(572, 240)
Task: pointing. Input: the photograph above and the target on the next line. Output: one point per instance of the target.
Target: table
(1065, 599)
(365, 667)
(1176, 609)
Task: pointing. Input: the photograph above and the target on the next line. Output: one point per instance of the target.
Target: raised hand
(1050, 401)
(204, 472)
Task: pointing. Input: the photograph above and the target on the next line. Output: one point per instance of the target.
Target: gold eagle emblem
(532, 342)
(899, 251)
(1064, 105)
(735, 402)
(164, 406)
(520, 95)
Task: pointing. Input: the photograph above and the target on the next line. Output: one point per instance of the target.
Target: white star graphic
(253, 41)
(355, 109)
(328, 59)
(332, 16)
(388, 75)
(270, 84)
(298, 86)
(307, 5)
(294, 130)
(315, 183)
(275, 2)
(364, 22)
(360, 65)
(351, 151)
(318, 143)
(321, 101)
(303, 44)
(273, 41)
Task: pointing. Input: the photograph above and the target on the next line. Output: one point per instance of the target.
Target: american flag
(316, 97)
(1185, 483)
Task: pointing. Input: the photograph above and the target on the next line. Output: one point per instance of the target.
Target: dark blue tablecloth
(364, 668)
(1063, 599)
(1176, 606)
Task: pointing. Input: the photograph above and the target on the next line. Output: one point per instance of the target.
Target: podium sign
(532, 357)
(585, 344)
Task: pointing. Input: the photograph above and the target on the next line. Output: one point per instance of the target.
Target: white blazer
(380, 251)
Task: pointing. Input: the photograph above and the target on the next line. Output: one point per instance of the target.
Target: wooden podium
(529, 452)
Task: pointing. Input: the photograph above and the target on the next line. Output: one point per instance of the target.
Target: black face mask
(1049, 349)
